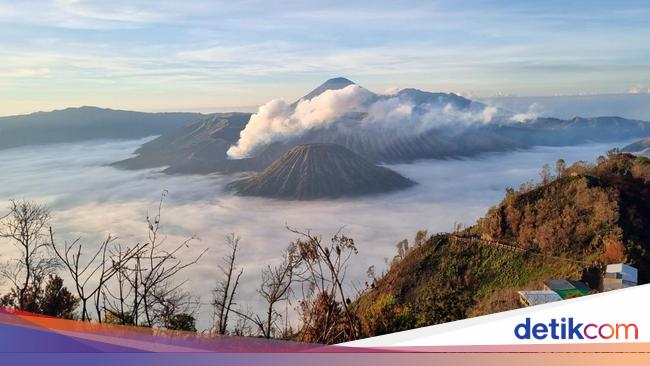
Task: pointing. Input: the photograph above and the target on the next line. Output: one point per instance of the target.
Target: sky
(203, 55)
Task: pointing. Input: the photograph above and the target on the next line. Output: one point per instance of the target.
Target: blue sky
(206, 55)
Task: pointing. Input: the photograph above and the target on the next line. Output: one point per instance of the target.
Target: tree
(326, 312)
(402, 250)
(560, 168)
(275, 288)
(49, 298)
(56, 300)
(613, 152)
(183, 321)
(176, 309)
(421, 237)
(25, 226)
(545, 174)
(224, 292)
(91, 274)
(116, 306)
(151, 273)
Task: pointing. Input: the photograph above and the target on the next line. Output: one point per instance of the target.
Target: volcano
(315, 171)
(201, 147)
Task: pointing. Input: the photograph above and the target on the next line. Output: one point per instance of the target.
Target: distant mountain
(473, 139)
(570, 227)
(632, 106)
(198, 148)
(640, 147)
(201, 147)
(86, 123)
(331, 84)
(320, 171)
(420, 97)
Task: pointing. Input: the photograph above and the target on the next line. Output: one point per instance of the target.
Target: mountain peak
(338, 80)
(331, 84)
(314, 171)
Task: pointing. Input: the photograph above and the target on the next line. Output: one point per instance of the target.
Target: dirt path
(512, 248)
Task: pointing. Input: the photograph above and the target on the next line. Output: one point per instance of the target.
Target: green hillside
(569, 227)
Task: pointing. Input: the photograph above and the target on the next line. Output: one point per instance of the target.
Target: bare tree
(545, 174)
(153, 269)
(276, 287)
(91, 275)
(560, 168)
(224, 292)
(324, 297)
(116, 297)
(243, 327)
(26, 227)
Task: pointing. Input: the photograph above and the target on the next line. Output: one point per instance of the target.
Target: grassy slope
(446, 279)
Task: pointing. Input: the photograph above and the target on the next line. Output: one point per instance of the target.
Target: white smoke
(532, 113)
(404, 116)
(278, 120)
(392, 91)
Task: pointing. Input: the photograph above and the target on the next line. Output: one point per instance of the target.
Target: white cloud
(638, 89)
(532, 113)
(89, 199)
(91, 14)
(391, 91)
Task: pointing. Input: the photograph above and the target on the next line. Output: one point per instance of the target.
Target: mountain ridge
(87, 123)
(388, 147)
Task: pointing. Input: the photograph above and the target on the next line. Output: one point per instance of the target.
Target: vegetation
(595, 213)
(446, 279)
(137, 285)
(568, 226)
(123, 285)
(572, 223)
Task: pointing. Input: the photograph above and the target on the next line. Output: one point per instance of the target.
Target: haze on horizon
(202, 55)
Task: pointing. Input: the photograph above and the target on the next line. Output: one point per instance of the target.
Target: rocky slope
(198, 148)
(320, 171)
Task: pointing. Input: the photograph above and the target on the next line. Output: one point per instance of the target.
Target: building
(532, 298)
(567, 289)
(618, 276)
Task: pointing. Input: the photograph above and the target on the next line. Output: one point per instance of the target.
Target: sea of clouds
(90, 199)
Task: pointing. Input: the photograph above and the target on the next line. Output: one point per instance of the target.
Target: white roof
(539, 297)
(628, 273)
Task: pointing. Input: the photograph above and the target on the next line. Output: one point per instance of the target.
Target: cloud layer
(90, 199)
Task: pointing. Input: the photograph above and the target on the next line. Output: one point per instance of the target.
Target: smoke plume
(397, 114)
